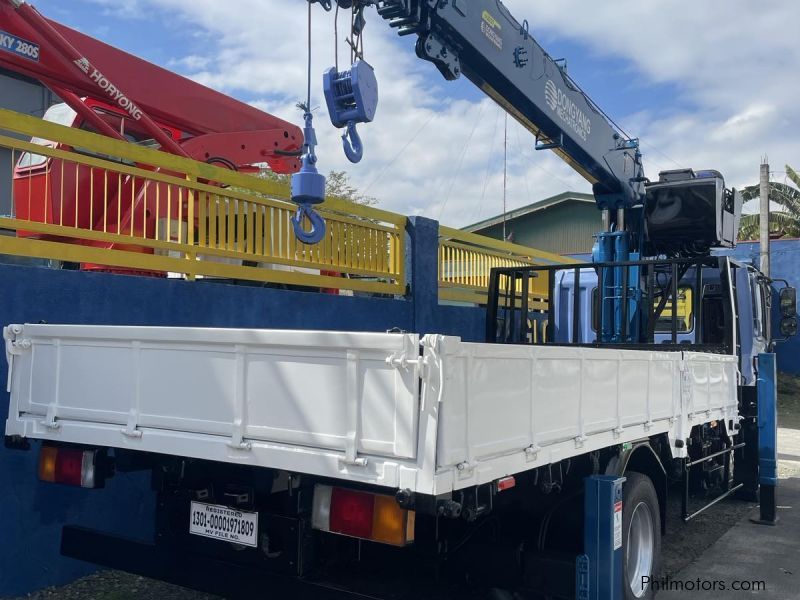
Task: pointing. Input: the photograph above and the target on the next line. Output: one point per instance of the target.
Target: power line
(382, 172)
(505, 172)
(535, 164)
(524, 179)
(489, 162)
(461, 160)
(657, 151)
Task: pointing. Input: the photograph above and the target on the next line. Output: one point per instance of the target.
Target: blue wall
(32, 513)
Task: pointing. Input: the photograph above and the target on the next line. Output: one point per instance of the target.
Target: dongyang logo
(567, 110)
(551, 94)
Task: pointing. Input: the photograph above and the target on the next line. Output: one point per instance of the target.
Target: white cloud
(260, 50)
(735, 60)
(191, 63)
(130, 9)
(732, 61)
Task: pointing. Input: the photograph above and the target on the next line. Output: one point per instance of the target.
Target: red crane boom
(75, 65)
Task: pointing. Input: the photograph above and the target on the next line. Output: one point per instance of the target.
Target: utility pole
(763, 189)
(505, 174)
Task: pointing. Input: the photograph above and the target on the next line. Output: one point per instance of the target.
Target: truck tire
(641, 536)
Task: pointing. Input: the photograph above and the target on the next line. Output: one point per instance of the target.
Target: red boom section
(124, 97)
(164, 96)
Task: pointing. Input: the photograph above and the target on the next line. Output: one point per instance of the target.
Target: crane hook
(317, 231)
(351, 142)
(308, 188)
(308, 184)
(352, 98)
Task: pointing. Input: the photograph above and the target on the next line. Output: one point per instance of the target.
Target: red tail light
(70, 466)
(351, 512)
(364, 515)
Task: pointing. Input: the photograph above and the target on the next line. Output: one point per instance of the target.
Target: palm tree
(783, 223)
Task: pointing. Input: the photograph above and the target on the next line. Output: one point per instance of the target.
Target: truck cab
(700, 318)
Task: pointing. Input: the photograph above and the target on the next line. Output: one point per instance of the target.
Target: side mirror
(788, 300)
(788, 326)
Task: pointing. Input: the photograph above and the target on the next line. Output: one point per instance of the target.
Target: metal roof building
(562, 224)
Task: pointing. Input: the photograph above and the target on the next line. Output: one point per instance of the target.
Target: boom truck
(108, 91)
(344, 463)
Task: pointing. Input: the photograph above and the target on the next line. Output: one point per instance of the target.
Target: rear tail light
(362, 515)
(351, 513)
(70, 466)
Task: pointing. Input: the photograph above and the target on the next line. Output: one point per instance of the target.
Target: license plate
(224, 523)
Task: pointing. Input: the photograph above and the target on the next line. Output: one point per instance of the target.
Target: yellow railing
(98, 201)
(466, 259)
(109, 204)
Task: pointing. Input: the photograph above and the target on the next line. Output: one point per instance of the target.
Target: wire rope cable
(336, 38)
(308, 80)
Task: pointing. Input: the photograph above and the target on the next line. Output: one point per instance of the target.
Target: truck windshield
(60, 114)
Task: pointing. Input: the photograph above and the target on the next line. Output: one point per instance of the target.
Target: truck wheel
(641, 535)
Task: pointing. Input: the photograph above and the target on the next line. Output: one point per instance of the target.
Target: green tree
(337, 184)
(270, 175)
(785, 222)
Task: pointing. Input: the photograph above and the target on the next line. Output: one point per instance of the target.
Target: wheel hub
(640, 550)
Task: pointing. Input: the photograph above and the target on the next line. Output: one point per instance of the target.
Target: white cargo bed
(356, 406)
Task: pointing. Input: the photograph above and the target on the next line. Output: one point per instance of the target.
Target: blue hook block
(308, 186)
(308, 189)
(351, 96)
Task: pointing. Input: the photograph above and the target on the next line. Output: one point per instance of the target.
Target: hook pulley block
(352, 98)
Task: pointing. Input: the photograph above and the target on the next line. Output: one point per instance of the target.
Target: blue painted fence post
(767, 389)
(424, 272)
(599, 569)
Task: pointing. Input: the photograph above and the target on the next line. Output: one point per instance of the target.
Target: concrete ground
(759, 560)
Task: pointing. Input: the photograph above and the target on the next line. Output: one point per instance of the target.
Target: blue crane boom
(684, 213)
(482, 40)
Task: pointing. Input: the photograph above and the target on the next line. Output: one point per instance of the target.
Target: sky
(708, 85)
